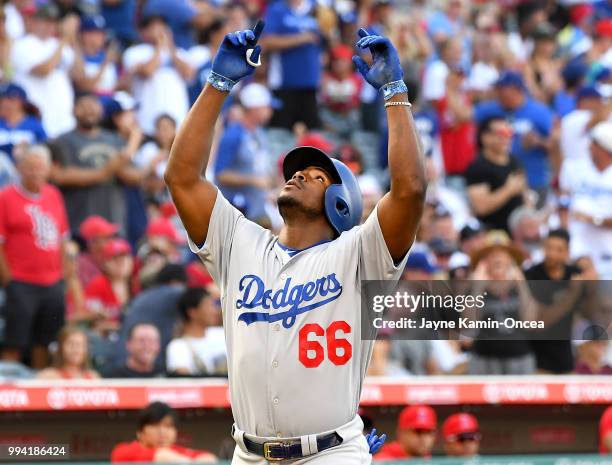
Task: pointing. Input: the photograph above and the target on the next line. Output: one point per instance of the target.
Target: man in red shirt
(457, 128)
(605, 432)
(33, 228)
(156, 440)
(416, 434)
(462, 436)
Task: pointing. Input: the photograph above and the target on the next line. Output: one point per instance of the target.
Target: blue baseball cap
(588, 92)
(92, 23)
(420, 260)
(11, 90)
(575, 71)
(510, 79)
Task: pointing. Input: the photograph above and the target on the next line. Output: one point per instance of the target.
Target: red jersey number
(312, 352)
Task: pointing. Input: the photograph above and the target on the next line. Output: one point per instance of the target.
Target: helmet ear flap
(342, 207)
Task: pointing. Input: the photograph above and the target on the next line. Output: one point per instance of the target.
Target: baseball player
(291, 303)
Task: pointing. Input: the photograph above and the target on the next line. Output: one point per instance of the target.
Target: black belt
(275, 451)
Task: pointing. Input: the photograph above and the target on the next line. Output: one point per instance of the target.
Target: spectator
(292, 36)
(529, 15)
(605, 432)
(159, 249)
(142, 347)
(159, 71)
(71, 357)
(201, 348)
(526, 229)
(121, 115)
(589, 182)
(89, 167)
(457, 129)
(340, 93)
(434, 81)
(120, 18)
(157, 305)
(543, 70)
(182, 17)
(243, 159)
(156, 440)
(450, 23)
(416, 434)
(16, 125)
(532, 124)
(495, 179)
(461, 434)
(154, 154)
(554, 356)
(573, 75)
(95, 68)
(590, 110)
(33, 227)
(107, 295)
(472, 236)
(42, 66)
(497, 276)
(96, 232)
(591, 358)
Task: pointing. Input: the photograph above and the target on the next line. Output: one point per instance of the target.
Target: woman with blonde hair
(71, 358)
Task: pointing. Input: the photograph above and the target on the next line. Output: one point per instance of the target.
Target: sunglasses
(468, 437)
(504, 132)
(421, 431)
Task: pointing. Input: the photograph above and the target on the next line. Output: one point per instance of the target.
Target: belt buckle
(268, 453)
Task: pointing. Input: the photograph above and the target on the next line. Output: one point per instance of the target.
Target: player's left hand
(386, 66)
(238, 54)
(375, 442)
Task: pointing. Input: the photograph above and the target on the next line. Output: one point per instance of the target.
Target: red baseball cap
(163, 227)
(417, 417)
(312, 139)
(342, 52)
(96, 226)
(459, 423)
(603, 28)
(116, 247)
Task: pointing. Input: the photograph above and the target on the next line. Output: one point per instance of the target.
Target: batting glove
(374, 441)
(386, 72)
(237, 58)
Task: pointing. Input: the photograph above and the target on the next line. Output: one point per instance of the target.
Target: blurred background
(103, 309)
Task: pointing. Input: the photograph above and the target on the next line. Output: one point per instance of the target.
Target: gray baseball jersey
(292, 321)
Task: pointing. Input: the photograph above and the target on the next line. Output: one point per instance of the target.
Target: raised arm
(400, 210)
(193, 196)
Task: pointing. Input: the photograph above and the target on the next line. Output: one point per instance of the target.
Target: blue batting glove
(237, 58)
(386, 72)
(375, 442)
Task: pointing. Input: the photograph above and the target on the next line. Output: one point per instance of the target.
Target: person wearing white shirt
(589, 183)
(575, 126)
(160, 73)
(434, 82)
(42, 65)
(201, 348)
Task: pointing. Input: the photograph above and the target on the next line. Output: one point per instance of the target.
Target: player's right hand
(231, 59)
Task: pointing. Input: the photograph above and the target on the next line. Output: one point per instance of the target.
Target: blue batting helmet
(343, 203)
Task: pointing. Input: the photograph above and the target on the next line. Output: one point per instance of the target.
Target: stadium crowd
(512, 101)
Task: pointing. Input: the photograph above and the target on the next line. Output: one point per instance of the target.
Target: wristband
(393, 88)
(220, 82)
